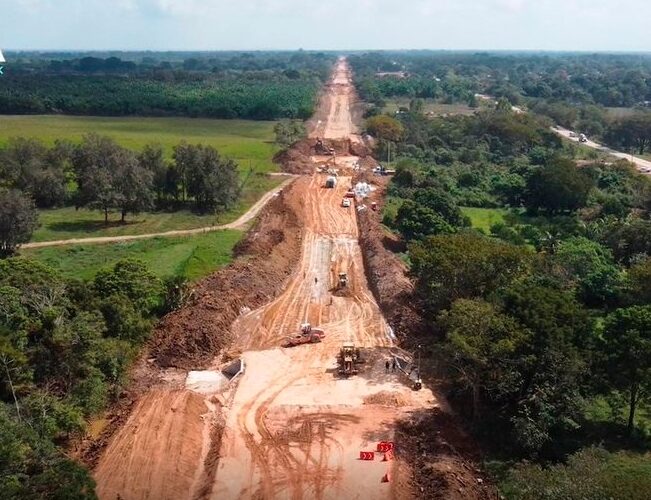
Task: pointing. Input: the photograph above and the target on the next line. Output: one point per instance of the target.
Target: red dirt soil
(289, 426)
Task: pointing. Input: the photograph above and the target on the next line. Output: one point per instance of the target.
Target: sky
(575, 25)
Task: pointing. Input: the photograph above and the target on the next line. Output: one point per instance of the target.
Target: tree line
(545, 315)
(65, 347)
(614, 80)
(99, 174)
(258, 86)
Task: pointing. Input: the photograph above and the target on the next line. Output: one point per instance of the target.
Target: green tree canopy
(627, 350)
(558, 187)
(18, 220)
(464, 265)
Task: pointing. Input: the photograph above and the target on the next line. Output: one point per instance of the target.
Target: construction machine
(308, 335)
(322, 149)
(343, 280)
(348, 357)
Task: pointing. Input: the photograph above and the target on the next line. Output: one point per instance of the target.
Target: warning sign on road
(366, 455)
(384, 446)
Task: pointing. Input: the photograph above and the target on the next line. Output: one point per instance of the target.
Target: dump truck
(308, 335)
(348, 357)
(331, 182)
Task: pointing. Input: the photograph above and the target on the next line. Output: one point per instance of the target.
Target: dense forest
(65, 347)
(259, 86)
(540, 322)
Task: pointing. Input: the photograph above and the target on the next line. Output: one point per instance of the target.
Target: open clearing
(484, 218)
(190, 256)
(430, 106)
(242, 140)
(292, 428)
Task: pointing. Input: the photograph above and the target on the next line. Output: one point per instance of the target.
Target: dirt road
(289, 426)
(333, 119)
(240, 223)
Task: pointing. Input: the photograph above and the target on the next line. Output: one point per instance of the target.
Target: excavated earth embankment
(442, 457)
(190, 337)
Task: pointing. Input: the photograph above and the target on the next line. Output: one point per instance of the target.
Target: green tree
(151, 158)
(591, 264)
(558, 187)
(464, 265)
(440, 202)
(481, 343)
(627, 350)
(415, 222)
(133, 185)
(213, 181)
(18, 220)
(132, 279)
(288, 132)
(639, 282)
(384, 127)
(553, 364)
(631, 132)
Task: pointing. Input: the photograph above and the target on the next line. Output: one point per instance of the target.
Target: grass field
(484, 218)
(243, 140)
(429, 106)
(191, 256)
(66, 223)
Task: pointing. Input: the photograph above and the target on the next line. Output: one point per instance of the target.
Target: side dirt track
(289, 426)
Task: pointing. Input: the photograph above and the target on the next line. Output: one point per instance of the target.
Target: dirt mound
(165, 425)
(442, 457)
(191, 337)
(386, 398)
(385, 271)
(298, 158)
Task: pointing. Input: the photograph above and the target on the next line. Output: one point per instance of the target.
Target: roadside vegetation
(65, 348)
(98, 188)
(534, 274)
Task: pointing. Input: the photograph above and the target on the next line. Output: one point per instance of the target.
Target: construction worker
(316, 280)
(393, 365)
(386, 366)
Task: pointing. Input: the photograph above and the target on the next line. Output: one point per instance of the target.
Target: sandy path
(239, 223)
(292, 427)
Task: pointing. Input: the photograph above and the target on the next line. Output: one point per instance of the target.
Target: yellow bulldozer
(349, 356)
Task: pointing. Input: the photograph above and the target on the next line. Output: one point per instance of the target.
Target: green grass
(484, 218)
(429, 106)
(192, 256)
(66, 223)
(243, 140)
